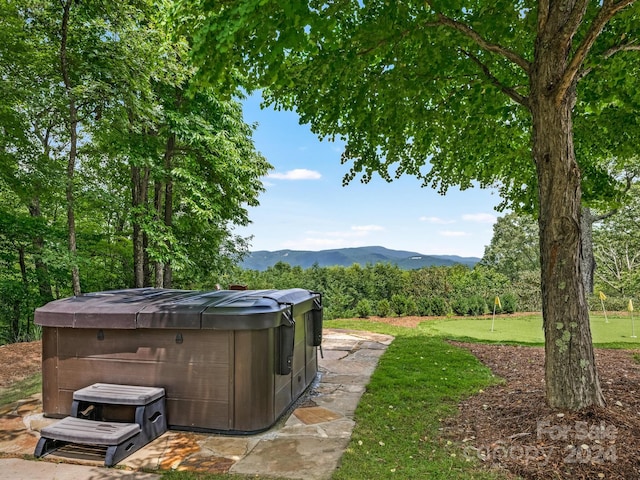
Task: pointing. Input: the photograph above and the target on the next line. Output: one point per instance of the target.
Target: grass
(418, 382)
(21, 390)
(613, 332)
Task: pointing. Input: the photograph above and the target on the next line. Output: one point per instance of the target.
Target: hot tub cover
(185, 309)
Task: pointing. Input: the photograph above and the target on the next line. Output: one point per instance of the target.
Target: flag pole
(496, 302)
(633, 329)
(603, 297)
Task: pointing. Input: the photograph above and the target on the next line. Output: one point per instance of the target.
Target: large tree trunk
(570, 370)
(73, 145)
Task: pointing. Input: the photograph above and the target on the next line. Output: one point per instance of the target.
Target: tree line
(116, 168)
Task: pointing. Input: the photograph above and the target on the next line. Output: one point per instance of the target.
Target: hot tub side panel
(194, 366)
(255, 382)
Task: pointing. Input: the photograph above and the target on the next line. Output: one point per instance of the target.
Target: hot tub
(229, 361)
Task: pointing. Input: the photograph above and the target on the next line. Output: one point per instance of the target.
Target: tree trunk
(168, 202)
(73, 145)
(587, 257)
(42, 272)
(157, 205)
(570, 370)
(139, 189)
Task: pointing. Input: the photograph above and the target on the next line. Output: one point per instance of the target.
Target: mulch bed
(510, 427)
(19, 361)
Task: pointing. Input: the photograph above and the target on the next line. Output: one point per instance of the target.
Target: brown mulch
(508, 426)
(19, 361)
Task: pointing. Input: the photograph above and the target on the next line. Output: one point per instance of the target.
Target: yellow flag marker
(603, 297)
(496, 303)
(630, 306)
(633, 327)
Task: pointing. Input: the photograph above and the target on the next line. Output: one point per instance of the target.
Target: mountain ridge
(407, 260)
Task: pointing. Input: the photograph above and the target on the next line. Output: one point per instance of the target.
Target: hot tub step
(90, 424)
(121, 439)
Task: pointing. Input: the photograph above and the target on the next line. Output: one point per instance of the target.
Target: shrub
(476, 305)
(383, 308)
(473, 305)
(363, 308)
(402, 305)
(509, 303)
(436, 306)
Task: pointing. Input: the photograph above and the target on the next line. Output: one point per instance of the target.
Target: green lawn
(615, 331)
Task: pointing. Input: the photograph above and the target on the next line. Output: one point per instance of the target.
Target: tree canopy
(458, 93)
(115, 171)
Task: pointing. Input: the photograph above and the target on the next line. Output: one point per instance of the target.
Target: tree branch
(543, 14)
(510, 92)
(573, 22)
(478, 39)
(607, 12)
(627, 47)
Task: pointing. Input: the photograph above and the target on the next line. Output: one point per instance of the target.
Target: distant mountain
(263, 259)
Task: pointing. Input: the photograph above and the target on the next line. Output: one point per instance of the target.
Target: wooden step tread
(79, 430)
(118, 394)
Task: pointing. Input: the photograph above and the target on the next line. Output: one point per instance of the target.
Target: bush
(474, 305)
(611, 304)
(509, 303)
(383, 309)
(363, 308)
(436, 306)
(402, 305)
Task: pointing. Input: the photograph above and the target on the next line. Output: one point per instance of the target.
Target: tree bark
(168, 202)
(139, 192)
(73, 146)
(570, 370)
(42, 272)
(158, 207)
(587, 257)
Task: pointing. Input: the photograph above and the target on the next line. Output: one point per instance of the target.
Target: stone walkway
(306, 444)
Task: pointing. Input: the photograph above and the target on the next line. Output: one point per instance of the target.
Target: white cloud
(320, 243)
(297, 174)
(367, 228)
(480, 217)
(438, 220)
(355, 236)
(452, 233)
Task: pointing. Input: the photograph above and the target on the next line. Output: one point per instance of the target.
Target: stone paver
(306, 445)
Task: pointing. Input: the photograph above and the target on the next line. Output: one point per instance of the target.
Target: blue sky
(305, 206)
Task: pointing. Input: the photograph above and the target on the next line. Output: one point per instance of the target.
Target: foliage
(383, 308)
(514, 246)
(363, 308)
(432, 306)
(111, 152)
(509, 303)
(473, 305)
(617, 247)
(459, 93)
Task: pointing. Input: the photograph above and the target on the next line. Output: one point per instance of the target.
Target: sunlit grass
(614, 331)
(22, 389)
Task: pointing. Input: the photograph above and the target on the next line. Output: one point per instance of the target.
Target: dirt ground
(509, 426)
